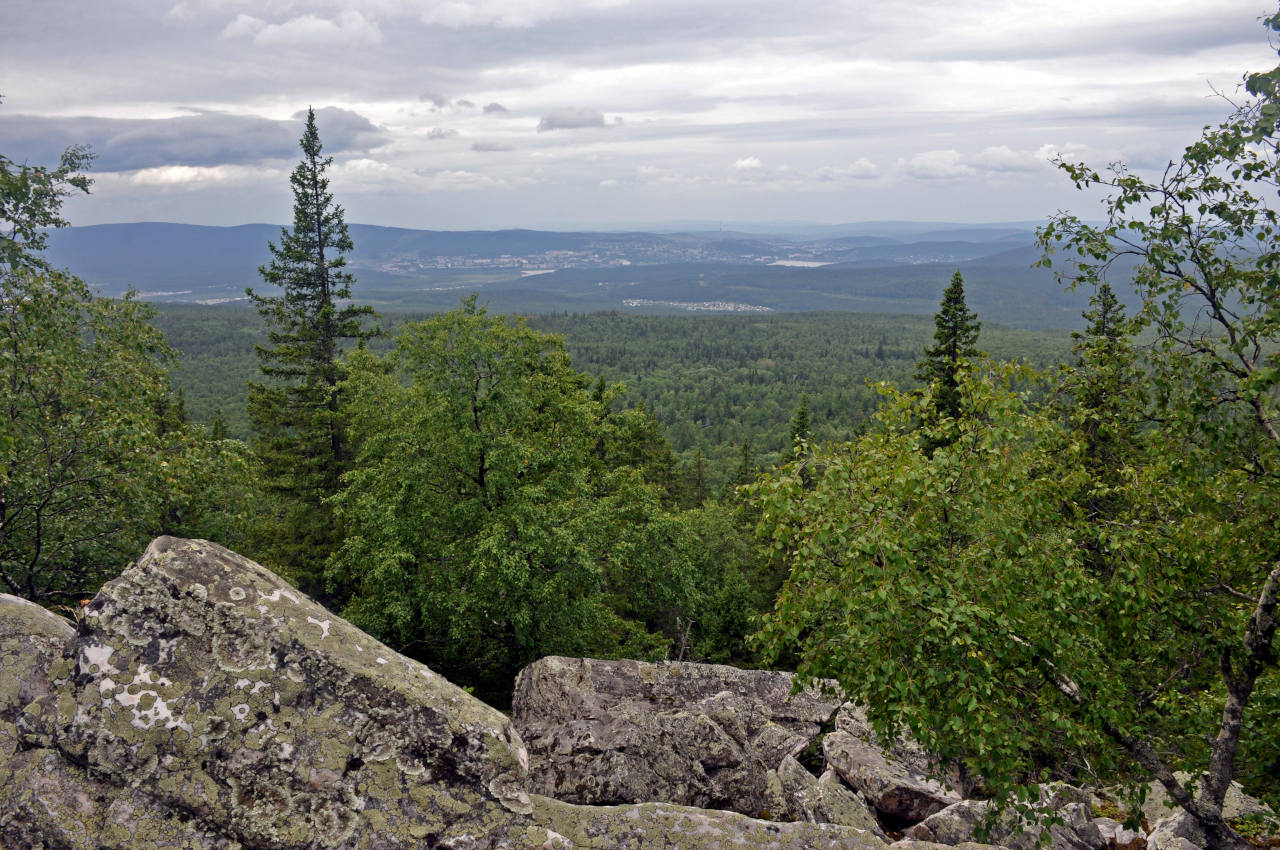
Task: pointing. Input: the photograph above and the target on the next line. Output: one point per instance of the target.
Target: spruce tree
(955, 340)
(1103, 402)
(800, 421)
(295, 412)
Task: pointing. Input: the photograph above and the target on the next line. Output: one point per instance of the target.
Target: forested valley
(711, 382)
(1049, 555)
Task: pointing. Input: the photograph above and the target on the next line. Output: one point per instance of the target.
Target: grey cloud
(570, 119)
(441, 133)
(466, 104)
(203, 138)
(437, 100)
(490, 108)
(1169, 36)
(491, 147)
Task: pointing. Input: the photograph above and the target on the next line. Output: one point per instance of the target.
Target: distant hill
(887, 267)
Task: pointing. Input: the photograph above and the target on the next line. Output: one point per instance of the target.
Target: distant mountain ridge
(873, 267)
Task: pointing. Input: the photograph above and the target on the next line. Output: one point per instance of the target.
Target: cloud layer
(527, 112)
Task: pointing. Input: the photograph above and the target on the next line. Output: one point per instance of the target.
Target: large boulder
(203, 703)
(823, 799)
(898, 778)
(891, 786)
(609, 732)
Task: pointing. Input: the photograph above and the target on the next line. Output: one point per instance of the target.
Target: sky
(449, 114)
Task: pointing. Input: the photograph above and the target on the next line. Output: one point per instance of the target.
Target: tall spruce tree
(295, 413)
(955, 340)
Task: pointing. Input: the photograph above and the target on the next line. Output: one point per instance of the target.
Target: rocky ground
(201, 702)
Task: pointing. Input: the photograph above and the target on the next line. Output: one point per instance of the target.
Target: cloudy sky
(555, 113)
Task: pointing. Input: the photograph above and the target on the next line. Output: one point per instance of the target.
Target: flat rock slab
(609, 732)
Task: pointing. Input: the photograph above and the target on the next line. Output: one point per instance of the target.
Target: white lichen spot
(165, 650)
(382, 660)
(237, 594)
(97, 660)
(146, 705)
(286, 750)
(241, 684)
(323, 624)
(198, 591)
(274, 596)
(241, 711)
(258, 686)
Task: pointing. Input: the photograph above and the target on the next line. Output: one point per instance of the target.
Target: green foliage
(1205, 238)
(1098, 576)
(928, 586)
(710, 381)
(31, 204)
(96, 455)
(498, 510)
(78, 435)
(295, 414)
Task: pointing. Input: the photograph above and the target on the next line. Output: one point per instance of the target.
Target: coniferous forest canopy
(1049, 554)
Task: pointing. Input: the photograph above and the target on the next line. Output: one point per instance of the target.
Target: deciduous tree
(484, 530)
(982, 596)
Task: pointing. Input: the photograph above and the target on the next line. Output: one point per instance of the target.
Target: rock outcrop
(203, 703)
(961, 822)
(608, 732)
(200, 702)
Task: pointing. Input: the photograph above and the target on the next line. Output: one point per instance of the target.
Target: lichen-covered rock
(1119, 836)
(824, 799)
(608, 732)
(203, 703)
(1157, 805)
(893, 787)
(1177, 831)
(31, 639)
(227, 696)
(643, 826)
(961, 822)
(912, 844)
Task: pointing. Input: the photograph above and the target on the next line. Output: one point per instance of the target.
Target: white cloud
(350, 27)
(860, 169)
(244, 26)
(748, 163)
(195, 177)
(937, 165)
(509, 14)
(1005, 159)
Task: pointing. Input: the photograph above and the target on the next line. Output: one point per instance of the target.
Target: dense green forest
(713, 382)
